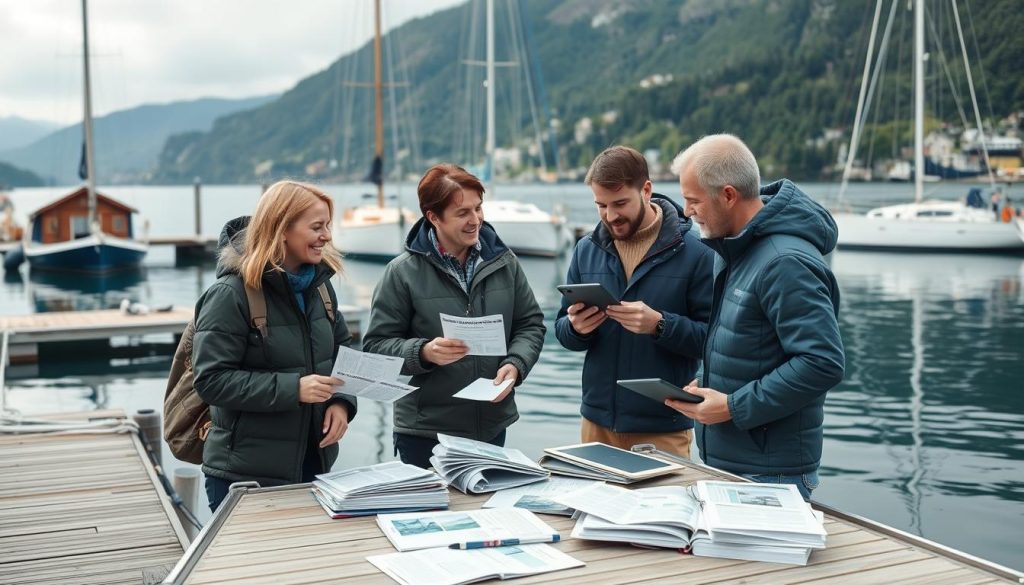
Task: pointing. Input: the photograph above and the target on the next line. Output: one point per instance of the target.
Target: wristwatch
(659, 328)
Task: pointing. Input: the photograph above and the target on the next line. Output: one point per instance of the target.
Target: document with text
(483, 335)
(369, 375)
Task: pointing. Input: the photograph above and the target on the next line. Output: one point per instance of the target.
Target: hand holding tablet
(591, 294)
(659, 390)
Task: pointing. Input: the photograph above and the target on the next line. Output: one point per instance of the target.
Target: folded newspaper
(747, 521)
(477, 467)
(385, 487)
(442, 566)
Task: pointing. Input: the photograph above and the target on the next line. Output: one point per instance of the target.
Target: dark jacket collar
(418, 242)
(787, 211)
(674, 225)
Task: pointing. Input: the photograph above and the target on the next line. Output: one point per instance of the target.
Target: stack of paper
(758, 522)
(748, 521)
(386, 487)
(477, 467)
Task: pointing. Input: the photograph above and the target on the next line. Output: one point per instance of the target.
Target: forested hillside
(783, 74)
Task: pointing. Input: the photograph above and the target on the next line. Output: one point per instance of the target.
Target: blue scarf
(300, 282)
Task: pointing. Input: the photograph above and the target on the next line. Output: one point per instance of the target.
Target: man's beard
(634, 226)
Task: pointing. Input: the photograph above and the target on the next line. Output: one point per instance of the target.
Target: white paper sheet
(483, 335)
(482, 389)
(369, 375)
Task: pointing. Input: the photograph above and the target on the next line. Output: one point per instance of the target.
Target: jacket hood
(231, 245)
(674, 225)
(418, 242)
(787, 211)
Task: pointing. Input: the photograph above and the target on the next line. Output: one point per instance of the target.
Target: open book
(392, 486)
(749, 521)
(433, 529)
(477, 467)
(442, 566)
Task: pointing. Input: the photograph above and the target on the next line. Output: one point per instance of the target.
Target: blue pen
(506, 542)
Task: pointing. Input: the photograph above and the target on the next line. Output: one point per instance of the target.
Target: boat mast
(489, 141)
(90, 179)
(378, 99)
(918, 100)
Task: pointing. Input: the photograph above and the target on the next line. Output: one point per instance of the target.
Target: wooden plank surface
(283, 537)
(77, 325)
(83, 509)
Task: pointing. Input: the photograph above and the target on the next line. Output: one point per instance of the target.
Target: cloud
(153, 52)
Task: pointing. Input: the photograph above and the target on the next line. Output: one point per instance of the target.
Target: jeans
(217, 488)
(416, 450)
(806, 482)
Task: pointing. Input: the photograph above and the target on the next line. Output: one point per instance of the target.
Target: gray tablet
(658, 390)
(590, 294)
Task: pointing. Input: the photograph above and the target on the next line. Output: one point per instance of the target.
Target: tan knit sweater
(633, 250)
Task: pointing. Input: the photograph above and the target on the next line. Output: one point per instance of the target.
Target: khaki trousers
(677, 442)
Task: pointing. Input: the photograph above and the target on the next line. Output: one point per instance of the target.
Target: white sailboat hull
(526, 229)
(533, 239)
(372, 232)
(928, 226)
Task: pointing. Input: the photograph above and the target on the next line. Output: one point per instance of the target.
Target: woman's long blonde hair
(279, 208)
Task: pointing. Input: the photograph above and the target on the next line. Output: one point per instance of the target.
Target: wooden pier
(83, 509)
(26, 332)
(281, 536)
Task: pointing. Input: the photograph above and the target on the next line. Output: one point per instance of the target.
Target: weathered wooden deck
(281, 536)
(83, 509)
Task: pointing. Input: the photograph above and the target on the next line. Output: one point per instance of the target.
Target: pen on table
(505, 542)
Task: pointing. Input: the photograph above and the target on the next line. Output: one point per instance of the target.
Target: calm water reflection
(926, 433)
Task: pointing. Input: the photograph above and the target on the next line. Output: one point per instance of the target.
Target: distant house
(67, 219)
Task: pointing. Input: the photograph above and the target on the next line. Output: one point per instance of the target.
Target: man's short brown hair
(618, 166)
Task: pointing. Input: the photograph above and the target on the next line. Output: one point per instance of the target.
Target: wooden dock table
(281, 536)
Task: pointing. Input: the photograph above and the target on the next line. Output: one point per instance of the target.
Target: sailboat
(922, 225)
(84, 231)
(525, 228)
(375, 231)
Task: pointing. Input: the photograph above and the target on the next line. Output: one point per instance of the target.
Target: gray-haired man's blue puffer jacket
(773, 339)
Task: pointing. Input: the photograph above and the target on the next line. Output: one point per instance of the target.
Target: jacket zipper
(716, 307)
(308, 354)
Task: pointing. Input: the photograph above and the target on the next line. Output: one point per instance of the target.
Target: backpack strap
(325, 296)
(257, 309)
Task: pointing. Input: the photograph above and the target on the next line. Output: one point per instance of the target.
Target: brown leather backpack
(186, 416)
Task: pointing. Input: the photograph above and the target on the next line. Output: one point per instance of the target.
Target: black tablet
(658, 390)
(590, 294)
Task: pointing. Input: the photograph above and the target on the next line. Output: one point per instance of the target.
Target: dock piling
(149, 427)
(186, 484)
(197, 186)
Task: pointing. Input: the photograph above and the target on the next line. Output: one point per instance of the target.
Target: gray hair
(719, 160)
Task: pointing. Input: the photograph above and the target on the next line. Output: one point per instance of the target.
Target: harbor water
(925, 433)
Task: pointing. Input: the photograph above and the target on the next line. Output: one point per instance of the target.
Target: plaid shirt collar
(463, 273)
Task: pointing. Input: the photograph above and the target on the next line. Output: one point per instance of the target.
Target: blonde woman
(276, 419)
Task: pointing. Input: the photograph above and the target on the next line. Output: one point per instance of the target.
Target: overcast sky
(157, 51)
